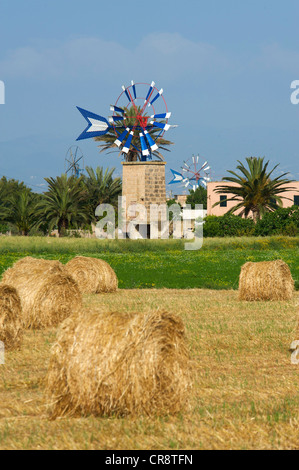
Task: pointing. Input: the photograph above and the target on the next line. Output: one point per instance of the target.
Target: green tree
(17, 204)
(101, 188)
(8, 189)
(254, 191)
(134, 154)
(63, 205)
(199, 196)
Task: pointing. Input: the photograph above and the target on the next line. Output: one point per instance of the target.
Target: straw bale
(119, 364)
(11, 331)
(48, 293)
(267, 280)
(92, 275)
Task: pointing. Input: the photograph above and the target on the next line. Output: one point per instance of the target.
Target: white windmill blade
(202, 167)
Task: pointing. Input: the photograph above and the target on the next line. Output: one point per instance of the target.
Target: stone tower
(143, 183)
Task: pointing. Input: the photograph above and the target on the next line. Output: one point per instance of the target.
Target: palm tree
(134, 154)
(101, 188)
(20, 210)
(63, 205)
(254, 191)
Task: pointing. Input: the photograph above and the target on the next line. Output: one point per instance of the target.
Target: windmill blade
(126, 92)
(116, 109)
(151, 142)
(161, 116)
(150, 91)
(165, 127)
(127, 144)
(144, 149)
(116, 118)
(122, 137)
(97, 125)
(134, 89)
(156, 97)
(202, 167)
(77, 160)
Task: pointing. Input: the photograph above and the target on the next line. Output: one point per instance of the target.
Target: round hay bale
(118, 364)
(37, 265)
(268, 280)
(48, 293)
(92, 275)
(11, 331)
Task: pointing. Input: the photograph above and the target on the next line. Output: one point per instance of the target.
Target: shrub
(228, 226)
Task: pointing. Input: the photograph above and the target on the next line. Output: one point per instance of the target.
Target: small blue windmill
(136, 129)
(73, 156)
(193, 173)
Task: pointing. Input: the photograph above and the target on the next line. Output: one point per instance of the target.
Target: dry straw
(11, 331)
(48, 293)
(268, 280)
(92, 275)
(118, 364)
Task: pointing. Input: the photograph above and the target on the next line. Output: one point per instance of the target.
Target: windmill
(135, 129)
(73, 156)
(193, 173)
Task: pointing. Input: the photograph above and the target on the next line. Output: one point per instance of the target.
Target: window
(223, 201)
(296, 200)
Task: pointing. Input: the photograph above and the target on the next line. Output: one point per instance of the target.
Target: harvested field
(246, 395)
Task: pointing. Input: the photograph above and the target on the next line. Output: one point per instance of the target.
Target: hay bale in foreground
(268, 280)
(92, 275)
(118, 364)
(48, 293)
(11, 331)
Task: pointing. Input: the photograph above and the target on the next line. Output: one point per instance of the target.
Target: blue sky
(225, 66)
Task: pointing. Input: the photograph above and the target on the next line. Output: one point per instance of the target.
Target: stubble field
(245, 395)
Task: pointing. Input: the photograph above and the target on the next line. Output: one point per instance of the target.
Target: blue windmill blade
(161, 116)
(160, 125)
(151, 142)
(97, 125)
(127, 144)
(122, 137)
(144, 148)
(177, 177)
(134, 89)
(116, 118)
(116, 109)
(156, 97)
(126, 92)
(149, 91)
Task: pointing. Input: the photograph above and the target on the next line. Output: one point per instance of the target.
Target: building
(226, 205)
